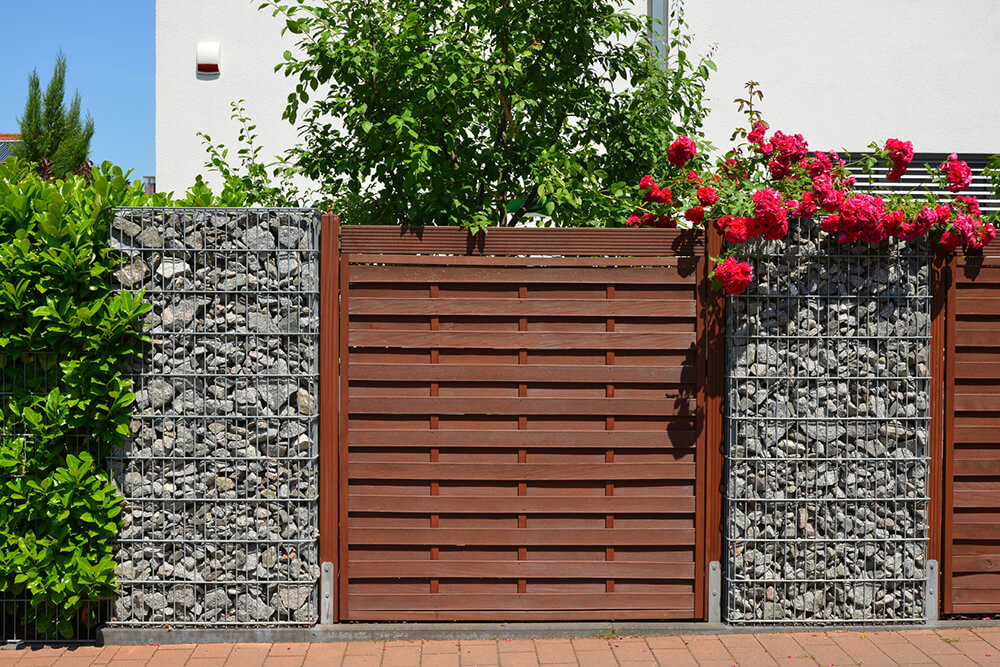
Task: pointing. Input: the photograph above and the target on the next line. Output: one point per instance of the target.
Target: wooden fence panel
(522, 430)
(971, 539)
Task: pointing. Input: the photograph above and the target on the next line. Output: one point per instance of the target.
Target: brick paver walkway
(963, 646)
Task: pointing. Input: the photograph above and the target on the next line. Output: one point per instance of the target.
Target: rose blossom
(901, 154)
(660, 196)
(682, 150)
(959, 174)
(950, 241)
(707, 196)
(737, 231)
(694, 215)
(756, 135)
(770, 216)
(734, 275)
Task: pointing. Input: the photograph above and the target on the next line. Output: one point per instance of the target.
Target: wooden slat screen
(522, 430)
(972, 559)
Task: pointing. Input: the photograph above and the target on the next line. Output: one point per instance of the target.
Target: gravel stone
(220, 474)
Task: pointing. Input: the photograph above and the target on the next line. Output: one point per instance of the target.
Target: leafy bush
(64, 403)
(480, 112)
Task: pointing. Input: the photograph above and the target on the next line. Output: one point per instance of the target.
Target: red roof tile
(9, 137)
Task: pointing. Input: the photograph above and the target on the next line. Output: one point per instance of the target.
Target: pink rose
(958, 172)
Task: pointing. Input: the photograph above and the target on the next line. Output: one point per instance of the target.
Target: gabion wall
(220, 475)
(827, 427)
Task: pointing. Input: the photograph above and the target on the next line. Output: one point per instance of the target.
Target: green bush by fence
(64, 402)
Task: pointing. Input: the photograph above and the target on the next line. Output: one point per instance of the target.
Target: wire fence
(220, 475)
(827, 417)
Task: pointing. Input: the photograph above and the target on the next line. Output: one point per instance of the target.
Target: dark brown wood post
(329, 420)
(715, 368)
(939, 314)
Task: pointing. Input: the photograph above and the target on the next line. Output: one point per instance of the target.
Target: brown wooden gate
(522, 429)
(971, 527)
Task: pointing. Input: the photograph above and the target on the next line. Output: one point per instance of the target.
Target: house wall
(187, 103)
(846, 73)
(840, 73)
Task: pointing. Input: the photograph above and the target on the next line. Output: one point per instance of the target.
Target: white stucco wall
(841, 73)
(186, 104)
(848, 72)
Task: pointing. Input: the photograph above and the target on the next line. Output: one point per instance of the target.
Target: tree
(53, 136)
(478, 112)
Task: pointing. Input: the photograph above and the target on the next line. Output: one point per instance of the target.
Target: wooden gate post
(329, 421)
(938, 487)
(714, 355)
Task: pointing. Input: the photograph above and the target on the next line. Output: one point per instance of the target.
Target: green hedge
(64, 403)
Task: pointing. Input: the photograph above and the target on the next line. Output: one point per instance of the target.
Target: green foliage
(477, 113)
(52, 136)
(64, 333)
(255, 183)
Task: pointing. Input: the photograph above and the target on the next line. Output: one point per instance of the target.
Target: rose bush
(765, 183)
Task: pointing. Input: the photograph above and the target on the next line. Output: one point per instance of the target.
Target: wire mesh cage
(23, 617)
(220, 473)
(826, 432)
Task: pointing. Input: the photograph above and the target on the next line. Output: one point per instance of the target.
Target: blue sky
(110, 59)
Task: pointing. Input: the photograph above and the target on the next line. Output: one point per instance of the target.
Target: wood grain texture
(521, 428)
(521, 241)
(971, 581)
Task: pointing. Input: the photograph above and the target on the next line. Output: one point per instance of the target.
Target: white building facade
(842, 74)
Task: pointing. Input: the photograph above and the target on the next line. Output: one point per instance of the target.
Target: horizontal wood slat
(599, 308)
(529, 615)
(548, 373)
(521, 241)
(534, 601)
(978, 402)
(525, 569)
(527, 537)
(529, 340)
(528, 439)
(404, 275)
(978, 467)
(978, 305)
(976, 434)
(976, 334)
(497, 339)
(978, 370)
(979, 530)
(492, 504)
(537, 260)
(683, 469)
(973, 564)
(522, 406)
(977, 563)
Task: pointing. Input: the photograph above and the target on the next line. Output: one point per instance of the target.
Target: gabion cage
(827, 427)
(220, 474)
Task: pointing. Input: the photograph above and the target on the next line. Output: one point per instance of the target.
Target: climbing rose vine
(766, 183)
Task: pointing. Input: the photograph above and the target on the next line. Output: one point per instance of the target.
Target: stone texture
(220, 474)
(827, 432)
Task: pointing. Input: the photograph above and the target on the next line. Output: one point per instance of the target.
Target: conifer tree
(53, 136)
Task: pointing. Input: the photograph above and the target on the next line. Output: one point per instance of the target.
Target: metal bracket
(931, 597)
(326, 596)
(714, 592)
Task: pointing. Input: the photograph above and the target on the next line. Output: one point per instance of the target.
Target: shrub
(480, 112)
(64, 403)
